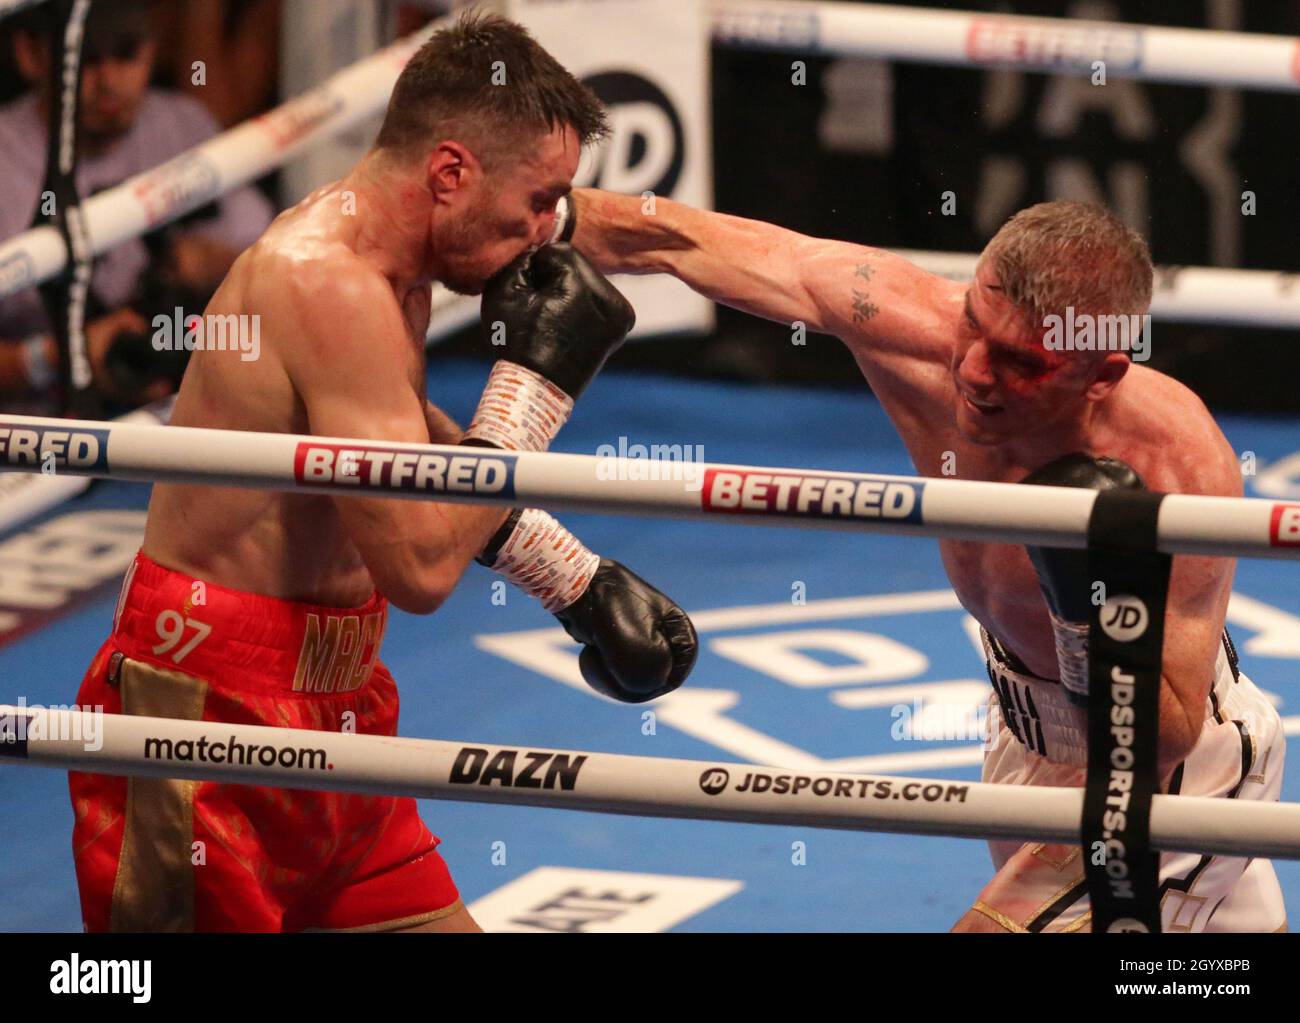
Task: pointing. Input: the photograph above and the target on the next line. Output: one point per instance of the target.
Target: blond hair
(1070, 254)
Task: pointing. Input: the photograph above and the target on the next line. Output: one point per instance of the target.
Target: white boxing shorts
(1038, 737)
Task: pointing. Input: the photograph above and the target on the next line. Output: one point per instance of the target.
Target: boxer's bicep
(875, 301)
(349, 361)
(1199, 589)
(869, 298)
(349, 369)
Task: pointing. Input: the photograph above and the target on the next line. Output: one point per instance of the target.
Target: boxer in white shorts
(1036, 737)
(981, 384)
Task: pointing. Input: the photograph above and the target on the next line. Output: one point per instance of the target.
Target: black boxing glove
(638, 644)
(562, 319)
(553, 321)
(1063, 573)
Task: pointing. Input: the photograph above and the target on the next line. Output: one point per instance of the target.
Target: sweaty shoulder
(326, 311)
(298, 275)
(1175, 444)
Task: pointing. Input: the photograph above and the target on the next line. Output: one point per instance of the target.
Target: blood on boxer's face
(1006, 381)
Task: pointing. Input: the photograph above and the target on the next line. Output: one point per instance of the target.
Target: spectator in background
(237, 42)
(126, 128)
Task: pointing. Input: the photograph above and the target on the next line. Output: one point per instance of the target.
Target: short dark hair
(453, 87)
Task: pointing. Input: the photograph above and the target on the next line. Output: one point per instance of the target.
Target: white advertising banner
(649, 62)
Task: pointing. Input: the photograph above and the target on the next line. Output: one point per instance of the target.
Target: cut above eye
(1022, 363)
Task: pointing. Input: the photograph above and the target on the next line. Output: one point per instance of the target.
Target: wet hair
(487, 83)
(1059, 254)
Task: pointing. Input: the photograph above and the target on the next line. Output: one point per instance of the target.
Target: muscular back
(282, 545)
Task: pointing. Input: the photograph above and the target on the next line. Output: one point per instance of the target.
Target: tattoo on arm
(863, 308)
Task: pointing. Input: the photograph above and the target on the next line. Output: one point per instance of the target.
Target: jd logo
(1124, 618)
(714, 780)
(647, 147)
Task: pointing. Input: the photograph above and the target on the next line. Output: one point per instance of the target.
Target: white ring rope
(974, 39)
(82, 740)
(1189, 56)
(749, 495)
(1183, 294)
(247, 151)
(24, 496)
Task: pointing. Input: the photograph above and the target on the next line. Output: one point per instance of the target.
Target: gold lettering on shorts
(372, 638)
(341, 656)
(317, 654)
(345, 654)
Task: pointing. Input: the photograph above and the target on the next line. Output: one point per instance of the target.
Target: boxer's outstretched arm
(351, 365)
(867, 297)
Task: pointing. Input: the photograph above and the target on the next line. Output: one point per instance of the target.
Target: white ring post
(740, 494)
(612, 783)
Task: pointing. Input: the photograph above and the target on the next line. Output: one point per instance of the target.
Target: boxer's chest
(998, 586)
(997, 583)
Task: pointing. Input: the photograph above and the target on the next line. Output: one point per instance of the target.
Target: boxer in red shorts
(265, 608)
(244, 870)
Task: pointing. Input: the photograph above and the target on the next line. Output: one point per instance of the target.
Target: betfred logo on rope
(742, 492)
(379, 468)
(1053, 45)
(760, 26)
(291, 123)
(25, 447)
(183, 183)
(1284, 530)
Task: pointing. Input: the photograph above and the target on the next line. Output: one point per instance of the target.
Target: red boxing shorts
(161, 855)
